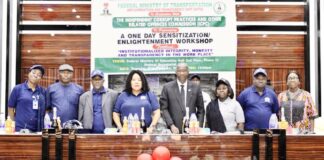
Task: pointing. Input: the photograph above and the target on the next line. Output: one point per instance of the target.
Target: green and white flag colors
(155, 35)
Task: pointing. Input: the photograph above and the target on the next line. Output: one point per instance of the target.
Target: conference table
(124, 147)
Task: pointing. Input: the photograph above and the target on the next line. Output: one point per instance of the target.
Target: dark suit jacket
(172, 109)
(86, 108)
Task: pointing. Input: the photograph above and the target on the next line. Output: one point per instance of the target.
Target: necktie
(182, 94)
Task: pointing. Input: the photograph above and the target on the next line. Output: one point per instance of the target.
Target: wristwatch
(119, 129)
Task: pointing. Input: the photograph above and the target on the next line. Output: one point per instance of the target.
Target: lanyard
(291, 112)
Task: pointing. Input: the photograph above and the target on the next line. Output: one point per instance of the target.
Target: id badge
(143, 97)
(35, 103)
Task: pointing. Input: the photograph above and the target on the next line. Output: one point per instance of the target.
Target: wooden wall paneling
(52, 51)
(270, 50)
(56, 12)
(82, 77)
(279, 13)
(277, 76)
(278, 53)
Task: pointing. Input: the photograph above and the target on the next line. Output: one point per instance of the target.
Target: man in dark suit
(179, 94)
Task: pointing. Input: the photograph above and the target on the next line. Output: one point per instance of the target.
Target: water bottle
(273, 122)
(130, 123)
(54, 125)
(125, 125)
(13, 126)
(47, 121)
(8, 125)
(283, 124)
(193, 124)
(54, 112)
(136, 124)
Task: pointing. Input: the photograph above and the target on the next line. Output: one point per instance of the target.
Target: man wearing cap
(196, 80)
(258, 102)
(96, 105)
(26, 103)
(64, 95)
(179, 95)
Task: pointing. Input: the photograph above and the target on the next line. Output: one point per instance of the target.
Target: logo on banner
(105, 10)
(219, 7)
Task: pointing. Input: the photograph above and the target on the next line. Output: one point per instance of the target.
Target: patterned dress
(298, 109)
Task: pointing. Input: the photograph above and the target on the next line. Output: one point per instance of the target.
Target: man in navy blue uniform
(64, 95)
(258, 102)
(26, 103)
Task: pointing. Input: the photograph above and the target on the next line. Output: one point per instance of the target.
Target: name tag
(35, 102)
(143, 97)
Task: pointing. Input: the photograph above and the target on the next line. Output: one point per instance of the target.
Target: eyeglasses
(292, 78)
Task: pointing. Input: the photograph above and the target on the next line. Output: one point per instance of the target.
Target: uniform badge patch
(267, 99)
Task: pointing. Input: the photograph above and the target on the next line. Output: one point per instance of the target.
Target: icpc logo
(105, 10)
(219, 7)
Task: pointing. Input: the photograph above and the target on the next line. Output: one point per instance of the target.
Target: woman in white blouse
(224, 114)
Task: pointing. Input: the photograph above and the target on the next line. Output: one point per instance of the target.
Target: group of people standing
(102, 108)
(28, 102)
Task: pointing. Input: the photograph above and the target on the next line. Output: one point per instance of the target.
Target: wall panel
(280, 13)
(51, 51)
(278, 53)
(56, 12)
